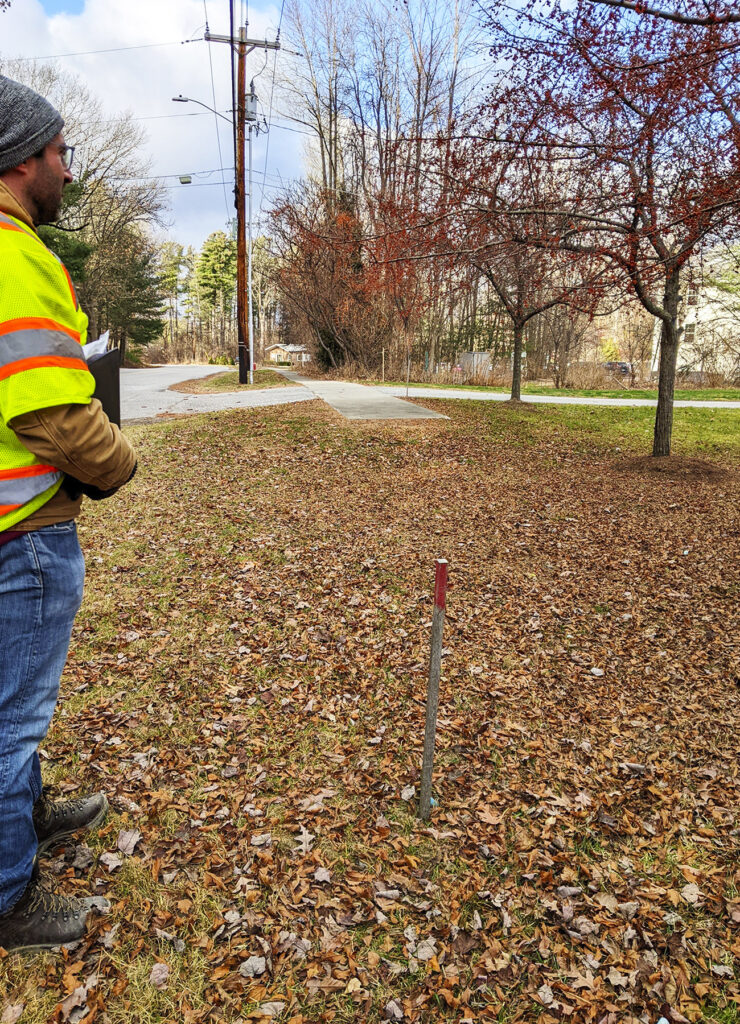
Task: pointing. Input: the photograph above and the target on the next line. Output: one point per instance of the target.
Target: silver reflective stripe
(4, 219)
(24, 488)
(38, 341)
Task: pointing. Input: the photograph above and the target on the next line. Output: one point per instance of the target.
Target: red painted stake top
(440, 583)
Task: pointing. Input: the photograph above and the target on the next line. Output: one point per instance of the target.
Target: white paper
(96, 348)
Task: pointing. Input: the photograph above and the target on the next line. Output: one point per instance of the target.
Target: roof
(287, 348)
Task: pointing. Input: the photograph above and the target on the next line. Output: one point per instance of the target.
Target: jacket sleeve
(80, 440)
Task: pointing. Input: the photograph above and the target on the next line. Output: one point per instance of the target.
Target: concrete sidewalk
(359, 402)
(501, 396)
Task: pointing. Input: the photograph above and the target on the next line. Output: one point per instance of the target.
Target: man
(50, 427)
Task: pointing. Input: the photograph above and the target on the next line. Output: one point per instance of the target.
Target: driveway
(145, 394)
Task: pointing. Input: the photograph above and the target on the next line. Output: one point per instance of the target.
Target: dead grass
(229, 381)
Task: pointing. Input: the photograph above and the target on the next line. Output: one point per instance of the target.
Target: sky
(142, 82)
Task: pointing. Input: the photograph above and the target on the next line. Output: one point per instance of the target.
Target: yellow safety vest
(42, 330)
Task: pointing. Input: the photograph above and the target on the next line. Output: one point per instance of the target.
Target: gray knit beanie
(27, 123)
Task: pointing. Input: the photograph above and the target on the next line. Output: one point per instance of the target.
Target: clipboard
(106, 369)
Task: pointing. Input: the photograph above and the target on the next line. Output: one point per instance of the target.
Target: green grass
(699, 433)
(682, 394)
(729, 1014)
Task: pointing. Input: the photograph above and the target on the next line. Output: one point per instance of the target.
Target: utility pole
(252, 118)
(246, 112)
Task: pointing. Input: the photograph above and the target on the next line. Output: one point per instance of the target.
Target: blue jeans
(41, 579)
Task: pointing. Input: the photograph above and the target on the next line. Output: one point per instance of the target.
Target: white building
(288, 354)
(709, 319)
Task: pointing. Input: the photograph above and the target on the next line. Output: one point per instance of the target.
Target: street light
(189, 99)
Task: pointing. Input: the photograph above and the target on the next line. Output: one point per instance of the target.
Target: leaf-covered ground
(247, 683)
(229, 381)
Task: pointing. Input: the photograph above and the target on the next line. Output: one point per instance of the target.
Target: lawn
(228, 380)
(247, 684)
(682, 394)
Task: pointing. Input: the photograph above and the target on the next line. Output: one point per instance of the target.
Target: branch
(667, 15)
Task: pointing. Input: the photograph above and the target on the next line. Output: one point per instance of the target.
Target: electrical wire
(215, 116)
(196, 184)
(269, 115)
(112, 49)
(141, 117)
(177, 174)
(237, 185)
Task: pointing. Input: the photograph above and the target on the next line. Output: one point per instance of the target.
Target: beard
(47, 197)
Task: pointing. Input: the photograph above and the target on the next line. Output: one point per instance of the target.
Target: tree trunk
(667, 368)
(516, 370)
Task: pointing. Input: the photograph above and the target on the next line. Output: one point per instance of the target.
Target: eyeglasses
(66, 155)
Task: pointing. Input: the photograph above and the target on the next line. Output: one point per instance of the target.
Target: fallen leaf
(692, 894)
(253, 967)
(111, 861)
(272, 1009)
(545, 996)
(159, 975)
(127, 841)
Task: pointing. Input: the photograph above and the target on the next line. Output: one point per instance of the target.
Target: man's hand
(75, 488)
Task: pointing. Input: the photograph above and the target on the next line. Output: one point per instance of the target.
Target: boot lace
(51, 809)
(51, 904)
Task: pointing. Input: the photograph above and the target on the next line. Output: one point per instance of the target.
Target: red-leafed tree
(323, 279)
(514, 250)
(694, 12)
(643, 114)
(404, 246)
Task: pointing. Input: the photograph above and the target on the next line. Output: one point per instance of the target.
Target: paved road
(498, 396)
(145, 394)
(359, 402)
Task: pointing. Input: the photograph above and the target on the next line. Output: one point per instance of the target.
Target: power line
(295, 131)
(233, 87)
(196, 184)
(269, 116)
(141, 117)
(215, 115)
(178, 174)
(112, 49)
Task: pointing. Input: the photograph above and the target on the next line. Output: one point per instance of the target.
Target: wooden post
(435, 663)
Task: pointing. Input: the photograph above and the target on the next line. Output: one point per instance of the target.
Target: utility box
(251, 104)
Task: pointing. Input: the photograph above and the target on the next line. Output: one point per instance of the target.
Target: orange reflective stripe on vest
(21, 485)
(42, 364)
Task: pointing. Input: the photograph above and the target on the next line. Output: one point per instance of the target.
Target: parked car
(621, 369)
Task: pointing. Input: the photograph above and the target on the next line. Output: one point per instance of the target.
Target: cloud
(143, 82)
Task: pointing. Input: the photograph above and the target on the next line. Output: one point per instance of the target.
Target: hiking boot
(41, 920)
(54, 820)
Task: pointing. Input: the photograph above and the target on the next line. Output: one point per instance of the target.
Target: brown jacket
(77, 439)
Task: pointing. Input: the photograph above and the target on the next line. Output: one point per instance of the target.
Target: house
(288, 354)
(709, 321)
